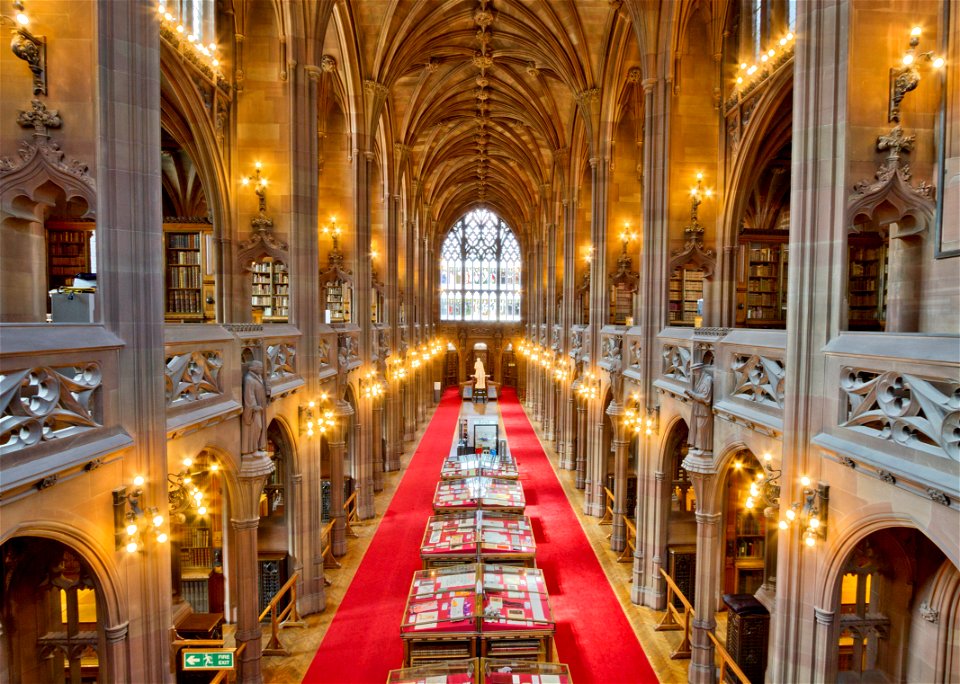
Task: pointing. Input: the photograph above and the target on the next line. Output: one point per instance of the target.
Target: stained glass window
(480, 270)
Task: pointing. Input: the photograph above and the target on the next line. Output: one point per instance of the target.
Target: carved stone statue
(479, 374)
(701, 427)
(253, 435)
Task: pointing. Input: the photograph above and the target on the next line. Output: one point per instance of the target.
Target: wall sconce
(333, 230)
(627, 236)
(588, 257)
(30, 48)
(562, 370)
(906, 76)
(259, 186)
(132, 520)
(766, 485)
(183, 492)
(370, 386)
(306, 418)
(811, 513)
(396, 371)
(589, 386)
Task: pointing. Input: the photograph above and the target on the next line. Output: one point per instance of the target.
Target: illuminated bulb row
(747, 73)
(208, 52)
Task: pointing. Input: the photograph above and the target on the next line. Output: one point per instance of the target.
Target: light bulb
(131, 529)
(168, 16)
(764, 58)
(192, 38)
(157, 520)
(810, 541)
(214, 467)
(215, 62)
(138, 481)
(743, 65)
(784, 524)
(739, 80)
(814, 522)
(187, 480)
(767, 456)
(748, 503)
(771, 52)
(915, 31)
(790, 36)
(754, 491)
(202, 510)
(188, 462)
(759, 476)
(938, 63)
(22, 19)
(783, 41)
(212, 47)
(791, 514)
(805, 481)
(737, 465)
(131, 546)
(162, 538)
(180, 28)
(907, 60)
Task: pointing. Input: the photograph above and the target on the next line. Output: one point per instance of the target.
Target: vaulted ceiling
(480, 97)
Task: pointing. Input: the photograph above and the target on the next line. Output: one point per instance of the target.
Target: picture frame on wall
(485, 436)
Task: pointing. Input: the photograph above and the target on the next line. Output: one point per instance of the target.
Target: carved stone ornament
(848, 462)
(263, 243)
(281, 360)
(676, 362)
(893, 189)
(32, 50)
(625, 278)
(928, 613)
(192, 376)
(44, 403)
(916, 412)
(887, 476)
(938, 496)
(636, 353)
(323, 352)
(41, 161)
(759, 379)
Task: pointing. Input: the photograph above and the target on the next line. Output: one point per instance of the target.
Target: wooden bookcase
(686, 289)
(189, 280)
(749, 544)
(867, 285)
(339, 299)
(68, 251)
(199, 539)
(621, 304)
(271, 289)
(763, 281)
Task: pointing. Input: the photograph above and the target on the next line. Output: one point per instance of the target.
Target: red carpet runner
(363, 641)
(593, 635)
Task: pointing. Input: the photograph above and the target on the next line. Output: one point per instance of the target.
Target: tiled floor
(303, 643)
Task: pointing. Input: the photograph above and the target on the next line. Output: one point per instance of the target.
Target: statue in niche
(479, 374)
(701, 427)
(253, 435)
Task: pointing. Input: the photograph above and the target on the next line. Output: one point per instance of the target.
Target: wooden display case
(488, 463)
(686, 290)
(270, 291)
(453, 672)
(189, 277)
(867, 284)
(68, 251)
(763, 281)
(472, 493)
(480, 536)
(453, 612)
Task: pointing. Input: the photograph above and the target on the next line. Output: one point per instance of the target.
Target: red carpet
(593, 635)
(363, 641)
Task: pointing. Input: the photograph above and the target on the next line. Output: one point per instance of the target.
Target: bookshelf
(621, 304)
(68, 251)
(339, 299)
(271, 289)
(686, 289)
(764, 283)
(188, 272)
(199, 541)
(867, 284)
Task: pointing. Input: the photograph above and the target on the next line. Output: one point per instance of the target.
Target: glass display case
(473, 493)
(453, 672)
(479, 536)
(488, 463)
(511, 671)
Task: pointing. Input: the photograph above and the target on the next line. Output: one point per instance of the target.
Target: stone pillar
(341, 412)
(709, 564)
(581, 462)
(376, 436)
(568, 460)
(824, 646)
(621, 443)
(394, 436)
(245, 519)
(365, 470)
(115, 661)
(596, 462)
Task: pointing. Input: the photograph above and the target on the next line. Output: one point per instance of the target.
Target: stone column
(341, 412)
(824, 646)
(115, 662)
(376, 436)
(621, 443)
(709, 564)
(581, 463)
(130, 292)
(567, 457)
(245, 519)
(596, 462)
(392, 300)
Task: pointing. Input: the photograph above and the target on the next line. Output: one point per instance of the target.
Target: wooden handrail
(288, 617)
(630, 541)
(326, 543)
(231, 675)
(607, 518)
(726, 660)
(350, 508)
(674, 620)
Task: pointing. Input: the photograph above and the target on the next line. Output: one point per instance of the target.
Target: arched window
(480, 270)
